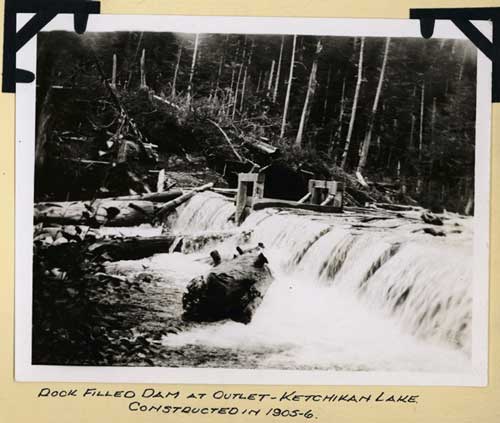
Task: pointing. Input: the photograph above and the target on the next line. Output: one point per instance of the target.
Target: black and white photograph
(301, 201)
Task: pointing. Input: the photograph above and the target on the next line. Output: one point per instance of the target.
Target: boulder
(231, 290)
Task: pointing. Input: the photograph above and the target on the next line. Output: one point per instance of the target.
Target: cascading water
(346, 295)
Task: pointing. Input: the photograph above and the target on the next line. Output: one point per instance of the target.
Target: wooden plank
(304, 198)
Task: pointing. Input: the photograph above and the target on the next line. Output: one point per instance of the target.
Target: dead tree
(288, 88)
(327, 90)
(271, 75)
(143, 69)
(278, 71)
(113, 72)
(245, 77)
(338, 133)
(240, 71)
(354, 104)
(311, 89)
(366, 143)
(421, 139)
(192, 70)
(176, 73)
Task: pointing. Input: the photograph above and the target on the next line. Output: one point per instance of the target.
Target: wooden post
(244, 180)
(241, 200)
(323, 193)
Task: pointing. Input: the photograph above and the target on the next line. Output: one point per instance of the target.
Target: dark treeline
(400, 111)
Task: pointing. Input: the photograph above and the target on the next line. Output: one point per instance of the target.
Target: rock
(431, 219)
(232, 290)
(434, 232)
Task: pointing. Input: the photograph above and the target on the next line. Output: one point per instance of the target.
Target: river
(363, 290)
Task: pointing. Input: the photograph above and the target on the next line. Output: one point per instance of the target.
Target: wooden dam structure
(323, 196)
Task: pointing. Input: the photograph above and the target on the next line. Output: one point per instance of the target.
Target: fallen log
(275, 203)
(172, 205)
(227, 192)
(155, 197)
(263, 148)
(396, 207)
(238, 156)
(95, 213)
(232, 290)
(132, 248)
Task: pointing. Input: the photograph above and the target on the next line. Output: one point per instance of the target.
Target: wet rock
(232, 290)
(431, 219)
(434, 232)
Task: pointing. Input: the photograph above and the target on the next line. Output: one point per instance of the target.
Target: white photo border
(24, 192)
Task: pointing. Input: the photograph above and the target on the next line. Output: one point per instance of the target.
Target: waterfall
(206, 211)
(339, 289)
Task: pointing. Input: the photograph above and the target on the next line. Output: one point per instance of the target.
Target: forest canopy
(399, 112)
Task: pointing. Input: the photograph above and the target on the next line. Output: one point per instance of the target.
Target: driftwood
(232, 290)
(172, 205)
(95, 213)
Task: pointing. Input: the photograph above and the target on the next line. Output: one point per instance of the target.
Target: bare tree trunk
(240, 71)
(421, 129)
(354, 104)
(221, 64)
(233, 74)
(412, 131)
(271, 75)
(236, 91)
(113, 74)
(288, 88)
(245, 77)
(338, 132)
(193, 68)
(327, 90)
(421, 139)
(243, 89)
(462, 65)
(143, 69)
(433, 120)
(257, 90)
(366, 143)
(311, 88)
(278, 71)
(176, 72)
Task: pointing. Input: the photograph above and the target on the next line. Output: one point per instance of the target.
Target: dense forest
(392, 117)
